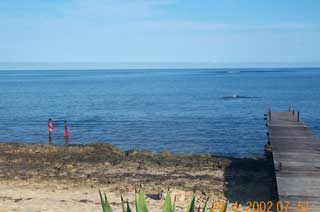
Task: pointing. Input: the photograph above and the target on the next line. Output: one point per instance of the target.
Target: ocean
(215, 111)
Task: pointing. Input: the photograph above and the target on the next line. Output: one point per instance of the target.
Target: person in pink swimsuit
(66, 133)
(50, 129)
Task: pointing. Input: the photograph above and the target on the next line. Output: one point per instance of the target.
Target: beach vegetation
(168, 206)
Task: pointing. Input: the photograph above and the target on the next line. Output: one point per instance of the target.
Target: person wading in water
(50, 130)
(66, 133)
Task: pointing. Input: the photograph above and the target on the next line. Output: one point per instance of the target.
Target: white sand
(40, 197)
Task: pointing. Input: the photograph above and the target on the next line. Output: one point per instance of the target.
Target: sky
(272, 32)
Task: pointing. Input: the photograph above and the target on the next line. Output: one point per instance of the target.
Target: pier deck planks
(296, 155)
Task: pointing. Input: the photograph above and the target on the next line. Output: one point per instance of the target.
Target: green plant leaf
(141, 205)
(174, 204)
(205, 205)
(104, 203)
(167, 206)
(191, 205)
(137, 200)
(128, 207)
(225, 207)
(124, 208)
(125, 205)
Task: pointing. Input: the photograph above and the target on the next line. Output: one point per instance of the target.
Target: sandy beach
(37, 177)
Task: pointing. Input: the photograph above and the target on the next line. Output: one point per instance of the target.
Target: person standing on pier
(66, 133)
(50, 130)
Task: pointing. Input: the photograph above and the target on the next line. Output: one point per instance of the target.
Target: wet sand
(67, 178)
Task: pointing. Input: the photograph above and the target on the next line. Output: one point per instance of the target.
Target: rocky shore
(69, 177)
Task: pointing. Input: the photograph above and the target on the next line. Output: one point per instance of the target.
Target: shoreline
(76, 172)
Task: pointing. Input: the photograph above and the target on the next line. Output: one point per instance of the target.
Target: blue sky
(160, 31)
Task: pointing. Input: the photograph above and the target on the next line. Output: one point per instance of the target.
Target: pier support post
(298, 118)
(269, 114)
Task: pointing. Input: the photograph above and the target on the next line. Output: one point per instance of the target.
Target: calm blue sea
(218, 111)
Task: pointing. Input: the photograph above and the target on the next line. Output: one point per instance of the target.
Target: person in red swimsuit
(50, 129)
(66, 133)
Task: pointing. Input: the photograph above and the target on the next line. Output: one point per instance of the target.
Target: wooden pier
(296, 156)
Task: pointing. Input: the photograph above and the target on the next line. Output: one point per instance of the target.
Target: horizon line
(152, 65)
